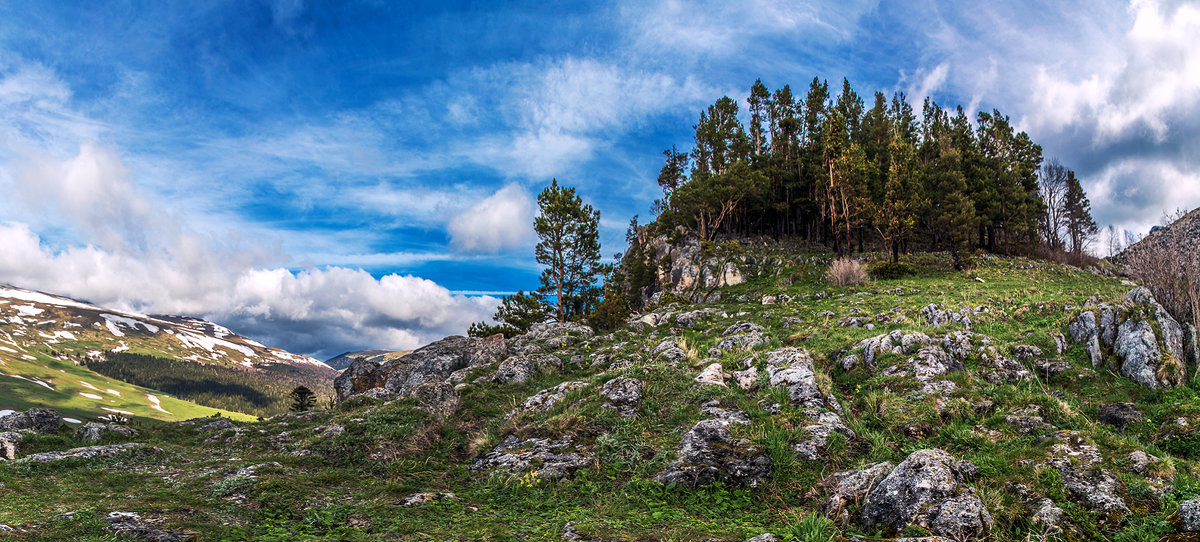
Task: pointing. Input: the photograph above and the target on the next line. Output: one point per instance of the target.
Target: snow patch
(89, 386)
(118, 411)
(7, 349)
(154, 403)
(42, 384)
(130, 323)
(111, 391)
(29, 310)
(121, 348)
(16, 320)
(38, 297)
(58, 335)
(71, 420)
(193, 340)
(4, 413)
(28, 357)
(91, 396)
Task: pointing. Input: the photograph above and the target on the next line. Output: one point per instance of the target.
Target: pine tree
(303, 399)
(516, 314)
(1081, 228)
(569, 247)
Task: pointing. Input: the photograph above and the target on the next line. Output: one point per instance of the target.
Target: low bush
(891, 270)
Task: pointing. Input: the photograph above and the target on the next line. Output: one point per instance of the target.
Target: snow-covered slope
(30, 319)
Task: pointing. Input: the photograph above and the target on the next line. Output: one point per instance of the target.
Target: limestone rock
(8, 444)
(624, 396)
(130, 524)
(518, 369)
(92, 431)
(89, 452)
(549, 459)
(850, 487)
(544, 400)
(742, 341)
(437, 398)
(746, 379)
(1189, 516)
(712, 375)
(926, 489)
(38, 420)
(709, 453)
(420, 499)
(1120, 414)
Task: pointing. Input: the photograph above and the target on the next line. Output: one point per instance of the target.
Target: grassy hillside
(344, 474)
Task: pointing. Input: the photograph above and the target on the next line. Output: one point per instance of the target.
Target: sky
(334, 176)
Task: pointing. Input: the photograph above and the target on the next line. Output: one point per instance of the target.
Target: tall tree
(569, 247)
(760, 104)
(895, 213)
(303, 399)
(1080, 226)
(1053, 186)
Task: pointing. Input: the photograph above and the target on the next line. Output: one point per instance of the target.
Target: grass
(347, 487)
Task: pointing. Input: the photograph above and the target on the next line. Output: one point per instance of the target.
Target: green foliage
(516, 314)
(569, 247)
(891, 270)
(303, 399)
(811, 527)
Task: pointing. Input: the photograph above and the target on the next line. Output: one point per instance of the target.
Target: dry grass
(846, 272)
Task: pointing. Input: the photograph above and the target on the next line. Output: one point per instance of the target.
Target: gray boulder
(1189, 516)
(521, 368)
(38, 420)
(434, 362)
(437, 398)
(713, 374)
(8, 444)
(544, 400)
(624, 396)
(92, 431)
(1097, 489)
(1120, 415)
(742, 341)
(709, 453)
(1141, 358)
(89, 452)
(130, 524)
(928, 489)
(549, 459)
(848, 488)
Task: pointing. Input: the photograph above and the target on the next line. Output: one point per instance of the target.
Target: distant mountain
(379, 356)
(53, 350)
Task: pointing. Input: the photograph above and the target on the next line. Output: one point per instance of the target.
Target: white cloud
(500, 222)
(141, 257)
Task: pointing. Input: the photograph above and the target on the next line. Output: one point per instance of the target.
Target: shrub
(845, 272)
(891, 270)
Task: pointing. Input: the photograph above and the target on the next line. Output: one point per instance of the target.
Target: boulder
(1120, 415)
(89, 452)
(850, 487)
(432, 363)
(1142, 360)
(420, 499)
(487, 350)
(8, 444)
(1189, 516)
(38, 420)
(742, 341)
(624, 396)
(746, 379)
(130, 524)
(713, 374)
(92, 431)
(521, 368)
(437, 398)
(926, 489)
(547, 459)
(544, 400)
(1097, 489)
(709, 453)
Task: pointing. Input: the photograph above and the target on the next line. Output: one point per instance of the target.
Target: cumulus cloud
(497, 223)
(145, 259)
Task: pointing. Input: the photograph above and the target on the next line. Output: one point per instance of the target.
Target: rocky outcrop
(89, 452)
(928, 489)
(547, 459)
(549, 336)
(848, 488)
(709, 453)
(1146, 341)
(1120, 415)
(131, 525)
(518, 369)
(1189, 516)
(624, 396)
(9, 440)
(437, 398)
(545, 400)
(689, 270)
(37, 420)
(92, 431)
(793, 368)
(929, 358)
(936, 316)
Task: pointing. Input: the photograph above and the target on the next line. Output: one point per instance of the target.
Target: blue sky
(331, 176)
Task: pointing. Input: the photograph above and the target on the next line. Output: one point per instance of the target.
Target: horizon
(336, 178)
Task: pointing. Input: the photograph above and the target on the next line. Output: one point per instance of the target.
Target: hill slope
(46, 342)
(978, 406)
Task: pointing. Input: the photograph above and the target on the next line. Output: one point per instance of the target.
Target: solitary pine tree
(303, 399)
(516, 314)
(569, 247)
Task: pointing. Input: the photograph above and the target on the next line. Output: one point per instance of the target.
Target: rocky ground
(1022, 401)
